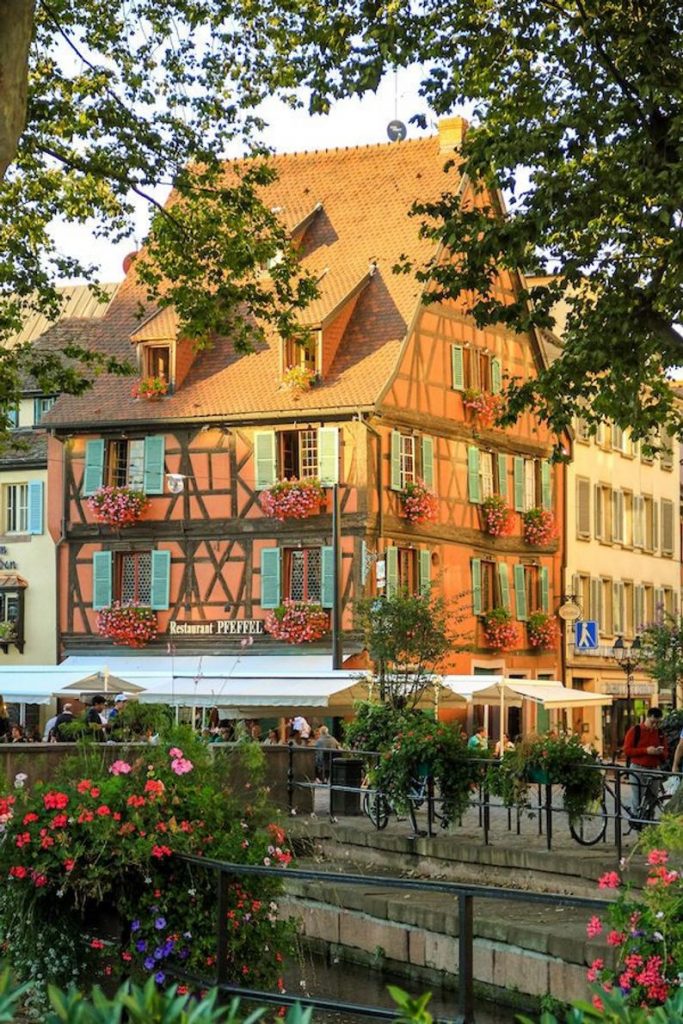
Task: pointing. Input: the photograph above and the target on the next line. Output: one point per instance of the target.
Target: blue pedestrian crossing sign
(585, 635)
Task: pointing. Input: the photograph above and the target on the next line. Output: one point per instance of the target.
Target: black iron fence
(464, 895)
(630, 799)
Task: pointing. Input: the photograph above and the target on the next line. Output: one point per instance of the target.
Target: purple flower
(141, 945)
(135, 926)
(158, 953)
(160, 977)
(160, 923)
(150, 963)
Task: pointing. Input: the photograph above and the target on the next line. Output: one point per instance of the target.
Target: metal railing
(465, 895)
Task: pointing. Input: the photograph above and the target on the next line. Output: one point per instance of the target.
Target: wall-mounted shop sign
(217, 627)
(6, 563)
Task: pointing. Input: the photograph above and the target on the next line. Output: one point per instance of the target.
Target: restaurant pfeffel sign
(217, 627)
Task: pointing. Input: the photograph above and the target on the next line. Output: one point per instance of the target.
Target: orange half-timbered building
(387, 409)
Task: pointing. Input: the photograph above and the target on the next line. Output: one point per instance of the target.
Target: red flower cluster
(539, 527)
(486, 406)
(499, 629)
(117, 506)
(420, 505)
(543, 631)
(128, 624)
(293, 499)
(499, 518)
(297, 622)
(150, 387)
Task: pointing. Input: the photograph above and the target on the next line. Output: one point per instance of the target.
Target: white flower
(659, 915)
(657, 936)
(191, 892)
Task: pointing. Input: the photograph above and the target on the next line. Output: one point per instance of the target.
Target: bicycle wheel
(377, 809)
(591, 826)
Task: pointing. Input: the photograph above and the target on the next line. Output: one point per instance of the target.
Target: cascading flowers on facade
(297, 622)
(150, 388)
(499, 629)
(499, 518)
(298, 379)
(539, 527)
(483, 405)
(130, 625)
(117, 506)
(542, 630)
(420, 505)
(293, 499)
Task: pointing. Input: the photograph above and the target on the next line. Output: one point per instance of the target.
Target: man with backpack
(646, 747)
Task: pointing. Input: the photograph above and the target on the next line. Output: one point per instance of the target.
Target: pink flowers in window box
(498, 517)
(539, 527)
(542, 630)
(484, 405)
(420, 505)
(500, 630)
(128, 625)
(150, 388)
(117, 506)
(297, 622)
(293, 499)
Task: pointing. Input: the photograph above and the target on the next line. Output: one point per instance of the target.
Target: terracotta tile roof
(366, 195)
(162, 325)
(27, 448)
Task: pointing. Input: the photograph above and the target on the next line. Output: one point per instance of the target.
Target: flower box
(117, 506)
(8, 631)
(293, 499)
(483, 405)
(297, 622)
(539, 527)
(538, 775)
(150, 388)
(542, 631)
(500, 631)
(497, 516)
(419, 504)
(298, 379)
(128, 625)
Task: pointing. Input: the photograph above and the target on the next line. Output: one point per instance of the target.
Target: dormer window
(304, 354)
(156, 362)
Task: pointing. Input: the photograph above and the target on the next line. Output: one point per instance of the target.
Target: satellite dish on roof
(397, 131)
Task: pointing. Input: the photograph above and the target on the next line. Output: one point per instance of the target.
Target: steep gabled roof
(355, 204)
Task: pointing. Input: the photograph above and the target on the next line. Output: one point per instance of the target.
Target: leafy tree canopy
(585, 97)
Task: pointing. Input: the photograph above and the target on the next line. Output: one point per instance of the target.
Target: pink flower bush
(486, 407)
(542, 630)
(539, 527)
(120, 768)
(128, 625)
(499, 629)
(499, 518)
(293, 499)
(117, 506)
(181, 766)
(594, 927)
(297, 622)
(610, 880)
(420, 505)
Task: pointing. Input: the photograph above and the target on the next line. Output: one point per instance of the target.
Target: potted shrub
(555, 760)
(483, 405)
(419, 504)
(298, 379)
(128, 625)
(539, 527)
(500, 630)
(150, 388)
(498, 518)
(8, 631)
(117, 506)
(297, 622)
(293, 499)
(542, 630)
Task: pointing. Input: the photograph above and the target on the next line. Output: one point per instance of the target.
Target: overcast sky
(351, 122)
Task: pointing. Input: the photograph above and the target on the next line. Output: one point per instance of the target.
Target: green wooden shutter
(520, 593)
(395, 461)
(101, 579)
(502, 462)
(93, 474)
(546, 484)
(327, 577)
(504, 584)
(425, 575)
(270, 577)
(457, 368)
(518, 467)
(153, 476)
(161, 580)
(496, 376)
(428, 461)
(545, 589)
(391, 569)
(473, 485)
(476, 586)
(265, 470)
(328, 456)
(35, 506)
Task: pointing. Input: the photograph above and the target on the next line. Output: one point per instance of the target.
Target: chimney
(451, 133)
(128, 261)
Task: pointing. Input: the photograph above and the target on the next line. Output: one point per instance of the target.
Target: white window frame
(407, 454)
(486, 477)
(529, 484)
(16, 508)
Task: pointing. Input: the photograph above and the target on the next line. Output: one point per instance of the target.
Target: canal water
(348, 982)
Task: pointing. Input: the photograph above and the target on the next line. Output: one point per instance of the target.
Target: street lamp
(628, 659)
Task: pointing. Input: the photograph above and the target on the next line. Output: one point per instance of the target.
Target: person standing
(323, 760)
(645, 747)
(93, 719)
(57, 733)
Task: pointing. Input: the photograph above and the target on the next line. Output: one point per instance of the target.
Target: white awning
(35, 684)
(551, 693)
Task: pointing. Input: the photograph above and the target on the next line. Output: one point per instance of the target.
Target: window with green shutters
(36, 503)
(544, 579)
(327, 577)
(521, 606)
(518, 480)
(546, 485)
(153, 475)
(265, 462)
(502, 474)
(504, 585)
(161, 580)
(473, 479)
(395, 455)
(496, 376)
(101, 579)
(93, 473)
(475, 569)
(457, 368)
(270, 577)
(425, 571)
(391, 571)
(328, 456)
(427, 473)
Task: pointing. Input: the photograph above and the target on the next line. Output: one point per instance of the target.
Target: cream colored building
(622, 562)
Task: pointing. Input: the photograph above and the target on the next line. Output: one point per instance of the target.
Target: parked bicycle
(379, 808)
(642, 801)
